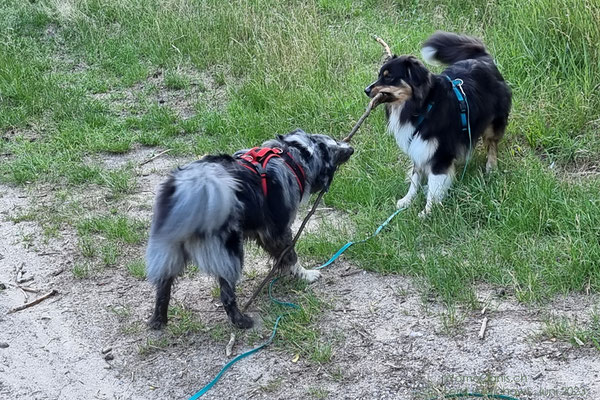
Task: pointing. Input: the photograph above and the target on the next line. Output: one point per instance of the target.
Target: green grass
(298, 330)
(137, 269)
(82, 79)
(116, 227)
(578, 334)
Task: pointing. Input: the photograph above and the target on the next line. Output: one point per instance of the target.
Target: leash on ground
(287, 304)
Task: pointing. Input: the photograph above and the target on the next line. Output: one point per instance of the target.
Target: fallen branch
(34, 302)
(154, 157)
(229, 347)
(386, 48)
(375, 101)
(483, 326)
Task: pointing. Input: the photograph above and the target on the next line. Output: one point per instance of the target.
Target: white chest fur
(420, 151)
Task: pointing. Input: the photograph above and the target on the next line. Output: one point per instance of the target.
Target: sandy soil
(388, 341)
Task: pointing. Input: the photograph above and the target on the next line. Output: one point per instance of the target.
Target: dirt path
(388, 342)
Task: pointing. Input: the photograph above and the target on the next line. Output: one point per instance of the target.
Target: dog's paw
(403, 203)
(156, 323)
(310, 275)
(243, 321)
(424, 213)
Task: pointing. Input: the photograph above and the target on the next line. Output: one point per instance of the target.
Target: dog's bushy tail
(195, 200)
(448, 48)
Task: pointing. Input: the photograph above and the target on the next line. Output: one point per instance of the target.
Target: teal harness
(462, 103)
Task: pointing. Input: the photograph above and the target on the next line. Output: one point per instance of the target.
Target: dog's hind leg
(491, 137)
(415, 182)
(163, 296)
(228, 299)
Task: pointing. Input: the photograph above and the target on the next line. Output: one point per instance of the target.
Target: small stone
(109, 357)
(2, 286)
(106, 350)
(3, 345)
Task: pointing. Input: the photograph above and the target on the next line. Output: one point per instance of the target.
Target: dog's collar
(256, 160)
(462, 101)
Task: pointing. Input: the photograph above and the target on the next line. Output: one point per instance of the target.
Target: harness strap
(422, 116)
(257, 158)
(462, 102)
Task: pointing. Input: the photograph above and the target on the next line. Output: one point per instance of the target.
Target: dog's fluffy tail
(448, 48)
(196, 200)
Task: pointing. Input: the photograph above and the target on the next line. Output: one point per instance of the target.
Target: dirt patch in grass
(183, 90)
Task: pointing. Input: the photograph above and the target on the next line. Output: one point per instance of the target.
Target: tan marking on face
(386, 72)
(394, 94)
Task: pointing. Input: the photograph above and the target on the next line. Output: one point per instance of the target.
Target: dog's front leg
(437, 187)
(415, 181)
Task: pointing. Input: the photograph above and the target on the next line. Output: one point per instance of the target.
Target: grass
(80, 80)
(137, 269)
(578, 334)
(298, 330)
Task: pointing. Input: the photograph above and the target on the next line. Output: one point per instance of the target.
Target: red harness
(256, 160)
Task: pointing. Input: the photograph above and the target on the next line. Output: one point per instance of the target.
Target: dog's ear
(419, 77)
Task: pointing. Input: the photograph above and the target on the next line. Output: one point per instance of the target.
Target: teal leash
(487, 396)
(295, 306)
(349, 244)
(286, 304)
(236, 359)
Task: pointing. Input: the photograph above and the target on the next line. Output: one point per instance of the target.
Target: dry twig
(154, 157)
(386, 48)
(483, 327)
(229, 347)
(34, 302)
(375, 101)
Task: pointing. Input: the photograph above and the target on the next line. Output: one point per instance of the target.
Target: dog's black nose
(368, 90)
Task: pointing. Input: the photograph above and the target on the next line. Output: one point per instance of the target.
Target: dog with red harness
(205, 210)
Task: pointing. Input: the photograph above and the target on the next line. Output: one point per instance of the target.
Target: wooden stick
(154, 157)
(34, 302)
(386, 48)
(375, 101)
(229, 347)
(483, 326)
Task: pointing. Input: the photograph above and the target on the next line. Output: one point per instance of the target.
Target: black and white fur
(439, 142)
(205, 210)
